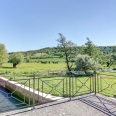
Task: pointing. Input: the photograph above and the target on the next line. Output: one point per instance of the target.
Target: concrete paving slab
(89, 105)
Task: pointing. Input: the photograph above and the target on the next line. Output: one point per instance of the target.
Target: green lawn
(31, 68)
(57, 85)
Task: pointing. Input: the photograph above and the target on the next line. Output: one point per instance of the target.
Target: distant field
(109, 73)
(49, 59)
(30, 68)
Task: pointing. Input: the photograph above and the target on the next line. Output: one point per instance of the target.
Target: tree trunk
(108, 64)
(67, 62)
(14, 65)
(85, 71)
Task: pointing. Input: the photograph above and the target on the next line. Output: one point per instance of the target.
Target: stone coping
(25, 90)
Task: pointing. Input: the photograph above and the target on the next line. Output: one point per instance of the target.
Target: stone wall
(26, 93)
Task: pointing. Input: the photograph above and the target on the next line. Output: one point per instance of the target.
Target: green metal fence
(35, 90)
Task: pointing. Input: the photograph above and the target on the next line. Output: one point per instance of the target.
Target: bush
(114, 69)
(85, 63)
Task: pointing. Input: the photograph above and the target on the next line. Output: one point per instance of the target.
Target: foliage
(27, 59)
(113, 49)
(110, 59)
(68, 48)
(89, 48)
(16, 59)
(92, 50)
(3, 54)
(85, 62)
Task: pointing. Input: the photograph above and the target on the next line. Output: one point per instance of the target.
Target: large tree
(68, 49)
(3, 54)
(16, 58)
(92, 50)
(85, 63)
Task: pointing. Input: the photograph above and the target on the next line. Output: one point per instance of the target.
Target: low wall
(26, 93)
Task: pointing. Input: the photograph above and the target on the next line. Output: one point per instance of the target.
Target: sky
(35, 24)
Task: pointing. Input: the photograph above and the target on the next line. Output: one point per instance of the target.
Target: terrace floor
(87, 105)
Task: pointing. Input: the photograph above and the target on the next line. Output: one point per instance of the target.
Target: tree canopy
(3, 54)
(16, 59)
(92, 50)
(85, 63)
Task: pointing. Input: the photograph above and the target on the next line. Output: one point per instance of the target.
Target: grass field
(61, 60)
(31, 68)
(58, 85)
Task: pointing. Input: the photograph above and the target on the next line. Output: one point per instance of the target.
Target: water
(8, 102)
(109, 70)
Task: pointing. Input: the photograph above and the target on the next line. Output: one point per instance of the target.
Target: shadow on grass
(7, 67)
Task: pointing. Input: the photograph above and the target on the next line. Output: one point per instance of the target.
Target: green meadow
(31, 68)
(58, 84)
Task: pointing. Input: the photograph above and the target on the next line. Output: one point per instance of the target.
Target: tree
(92, 50)
(3, 54)
(27, 59)
(67, 47)
(85, 63)
(113, 49)
(110, 59)
(16, 58)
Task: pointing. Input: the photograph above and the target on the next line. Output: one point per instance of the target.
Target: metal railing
(35, 90)
(9, 98)
(106, 85)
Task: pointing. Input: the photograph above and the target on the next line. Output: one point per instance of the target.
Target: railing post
(90, 84)
(95, 83)
(66, 87)
(33, 91)
(70, 87)
(29, 92)
(98, 82)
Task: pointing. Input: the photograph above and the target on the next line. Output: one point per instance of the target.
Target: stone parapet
(26, 93)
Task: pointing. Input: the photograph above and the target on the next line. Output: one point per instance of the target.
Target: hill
(56, 51)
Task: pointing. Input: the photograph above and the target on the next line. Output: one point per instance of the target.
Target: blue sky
(34, 24)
